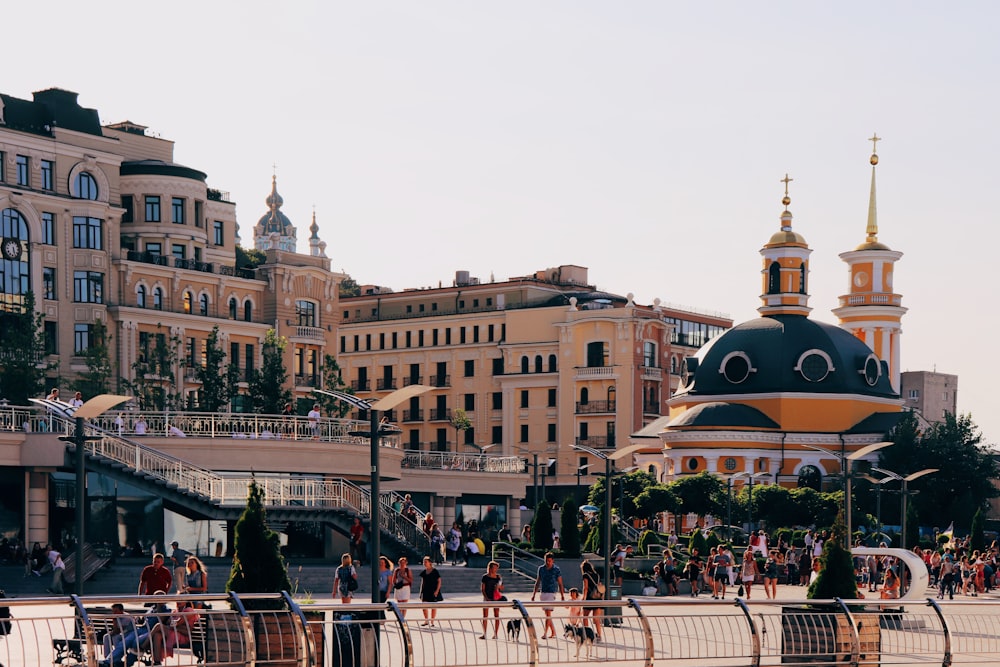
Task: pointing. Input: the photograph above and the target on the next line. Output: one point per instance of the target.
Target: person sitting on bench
(175, 633)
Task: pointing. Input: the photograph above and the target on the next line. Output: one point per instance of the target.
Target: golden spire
(872, 229)
(786, 200)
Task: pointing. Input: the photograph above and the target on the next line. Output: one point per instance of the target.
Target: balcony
(413, 415)
(385, 384)
(315, 333)
(249, 274)
(439, 381)
(596, 441)
(870, 299)
(192, 265)
(217, 195)
(650, 408)
(413, 379)
(594, 372)
(361, 385)
(440, 414)
(147, 258)
(306, 380)
(595, 407)
(652, 373)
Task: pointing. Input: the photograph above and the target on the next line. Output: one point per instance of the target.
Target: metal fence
(273, 631)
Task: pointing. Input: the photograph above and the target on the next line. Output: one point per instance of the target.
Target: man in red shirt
(357, 547)
(155, 577)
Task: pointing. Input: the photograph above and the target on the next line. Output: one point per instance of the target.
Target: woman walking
(492, 589)
(195, 578)
(346, 580)
(402, 582)
(771, 577)
(748, 571)
(430, 590)
(592, 591)
(384, 575)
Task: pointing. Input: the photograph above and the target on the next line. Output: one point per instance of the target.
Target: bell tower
(872, 310)
(785, 272)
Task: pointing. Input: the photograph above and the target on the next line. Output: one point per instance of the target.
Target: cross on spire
(875, 139)
(786, 181)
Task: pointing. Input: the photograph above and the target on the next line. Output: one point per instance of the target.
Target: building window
(88, 233)
(140, 296)
(470, 436)
(23, 172)
(496, 401)
(48, 228)
(178, 250)
(218, 233)
(187, 302)
(552, 398)
(152, 208)
(51, 338)
(496, 435)
(177, 210)
(47, 168)
(470, 403)
(232, 308)
(85, 186)
(553, 366)
(305, 311)
(81, 338)
(129, 205)
(914, 394)
(470, 367)
(649, 354)
(524, 433)
(551, 433)
(154, 248)
(197, 213)
(157, 298)
(498, 366)
(524, 398)
(247, 311)
(203, 305)
(48, 283)
(88, 287)
(597, 354)
(3, 161)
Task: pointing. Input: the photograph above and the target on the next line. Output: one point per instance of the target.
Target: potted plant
(822, 632)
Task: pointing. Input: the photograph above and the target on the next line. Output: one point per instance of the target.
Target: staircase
(199, 492)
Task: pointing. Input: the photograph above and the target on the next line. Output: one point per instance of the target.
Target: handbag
(741, 592)
(439, 598)
(601, 589)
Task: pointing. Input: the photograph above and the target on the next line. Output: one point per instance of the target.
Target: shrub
(836, 575)
(258, 566)
(698, 542)
(541, 526)
(569, 531)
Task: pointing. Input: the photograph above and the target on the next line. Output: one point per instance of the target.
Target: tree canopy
(268, 389)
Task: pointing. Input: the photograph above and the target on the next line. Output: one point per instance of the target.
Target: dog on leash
(514, 629)
(582, 635)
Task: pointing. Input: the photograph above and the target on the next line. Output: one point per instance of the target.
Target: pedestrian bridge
(282, 629)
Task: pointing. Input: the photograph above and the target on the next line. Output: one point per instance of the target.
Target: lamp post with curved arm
(904, 492)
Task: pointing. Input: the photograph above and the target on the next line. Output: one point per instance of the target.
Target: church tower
(871, 310)
(274, 230)
(786, 268)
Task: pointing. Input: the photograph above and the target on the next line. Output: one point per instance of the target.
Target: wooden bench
(92, 562)
(71, 651)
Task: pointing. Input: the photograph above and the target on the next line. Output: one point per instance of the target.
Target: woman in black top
(430, 589)
(591, 591)
(492, 588)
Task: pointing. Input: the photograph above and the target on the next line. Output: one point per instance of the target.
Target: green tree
(268, 387)
(836, 575)
(215, 385)
(966, 468)
(154, 371)
(460, 422)
(96, 379)
(333, 380)
(258, 566)
(541, 526)
(349, 287)
(698, 541)
(701, 494)
(624, 489)
(249, 258)
(569, 530)
(657, 498)
(22, 356)
(977, 537)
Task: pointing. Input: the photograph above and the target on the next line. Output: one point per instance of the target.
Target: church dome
(785, 354)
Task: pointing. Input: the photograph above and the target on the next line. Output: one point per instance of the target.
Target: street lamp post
(878, 497)
(375, 433)
(579, 471)
(846, 461)
(95, 407)
(608, 459)
(904, 492)
(545, 473)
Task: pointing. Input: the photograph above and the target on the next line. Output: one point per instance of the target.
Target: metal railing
(458, 461)
(250, 629)
(516, 560)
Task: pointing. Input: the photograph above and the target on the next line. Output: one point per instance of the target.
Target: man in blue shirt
(549, 579)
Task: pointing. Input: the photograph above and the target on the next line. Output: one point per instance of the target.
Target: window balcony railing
(315, 333)
(596, 441)
(361, 385)
(442, 460)
(306, 380)
(192, 265)
(595, 407)
(413, 415)
(594, 372)
(439, 381)
(440, 414)
(384, 384)
(652, 373)
(249, 274)
(413, 379)
(147, 258)
(651, 408)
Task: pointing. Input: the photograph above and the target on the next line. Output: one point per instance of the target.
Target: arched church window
(774, 278)
(802, 278)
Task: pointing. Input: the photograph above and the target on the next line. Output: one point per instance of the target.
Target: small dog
(514, 629)
(582, 635)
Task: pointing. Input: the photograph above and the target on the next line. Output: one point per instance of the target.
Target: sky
(643, 140)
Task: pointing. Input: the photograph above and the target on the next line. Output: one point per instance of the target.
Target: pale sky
(644, 140)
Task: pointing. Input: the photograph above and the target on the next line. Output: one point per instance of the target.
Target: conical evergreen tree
(541, 526)
(258, 566)
(569, 529)
(836, 576)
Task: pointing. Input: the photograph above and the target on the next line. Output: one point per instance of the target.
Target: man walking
(179, 557)
(549, 580)
(357, 544)
(155, 577)
(58, 571)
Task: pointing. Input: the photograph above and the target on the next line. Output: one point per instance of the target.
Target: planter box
(810, 635)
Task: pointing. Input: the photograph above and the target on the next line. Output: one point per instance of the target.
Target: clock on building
(11, 249)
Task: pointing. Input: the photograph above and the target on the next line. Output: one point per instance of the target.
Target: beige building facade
(930, 393)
